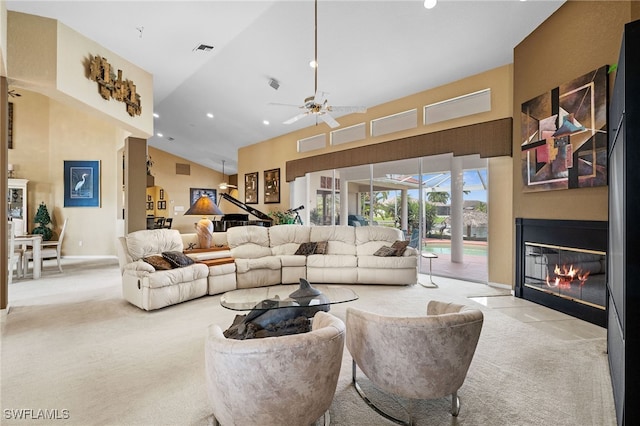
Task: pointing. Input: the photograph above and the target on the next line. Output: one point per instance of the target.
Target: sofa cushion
(385, 251)
(400, 246)
(342, 239)
(306, 249)
(268, 262)
(158, 262)
(331, 261)
(177, 259)
(141, 244)
(389, 262)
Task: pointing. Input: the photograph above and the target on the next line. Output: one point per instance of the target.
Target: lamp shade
(204, 206)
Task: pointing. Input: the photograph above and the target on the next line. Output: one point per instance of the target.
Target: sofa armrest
(139, 266)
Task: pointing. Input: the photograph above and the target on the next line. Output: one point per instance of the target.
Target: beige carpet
(69, 342)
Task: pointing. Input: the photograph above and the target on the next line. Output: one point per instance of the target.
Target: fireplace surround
(561, 264)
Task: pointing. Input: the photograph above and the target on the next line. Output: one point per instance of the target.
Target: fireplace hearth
(561, 264)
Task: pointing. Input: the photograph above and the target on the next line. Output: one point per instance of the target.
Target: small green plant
(43, 219)
(281, 218)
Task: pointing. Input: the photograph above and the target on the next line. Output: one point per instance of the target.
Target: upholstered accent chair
(414, 357)
(285, 380)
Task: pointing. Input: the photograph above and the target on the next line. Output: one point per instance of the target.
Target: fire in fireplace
(572, 273)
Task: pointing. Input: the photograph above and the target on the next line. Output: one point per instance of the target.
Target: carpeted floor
(69, 342)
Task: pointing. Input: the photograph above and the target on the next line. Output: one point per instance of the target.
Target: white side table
(430, 256)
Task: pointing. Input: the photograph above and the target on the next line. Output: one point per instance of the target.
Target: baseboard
(502, 287)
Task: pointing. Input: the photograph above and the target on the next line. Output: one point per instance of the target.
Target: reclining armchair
(414, 357)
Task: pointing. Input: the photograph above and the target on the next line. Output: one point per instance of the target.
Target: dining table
(35, 242)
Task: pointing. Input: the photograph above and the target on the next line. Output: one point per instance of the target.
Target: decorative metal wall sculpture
(110, 86)
(564, 135)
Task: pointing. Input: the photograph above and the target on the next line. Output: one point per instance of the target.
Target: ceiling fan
(12, 93)
(318, 104)
(225, 184)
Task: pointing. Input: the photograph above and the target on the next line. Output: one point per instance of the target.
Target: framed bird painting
(82, 183)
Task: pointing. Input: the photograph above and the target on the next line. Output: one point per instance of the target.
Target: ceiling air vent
(203, 47)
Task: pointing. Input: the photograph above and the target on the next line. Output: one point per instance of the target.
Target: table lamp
(204, 206)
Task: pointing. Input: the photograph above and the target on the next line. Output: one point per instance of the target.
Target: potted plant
(43, 219)
(281, 218)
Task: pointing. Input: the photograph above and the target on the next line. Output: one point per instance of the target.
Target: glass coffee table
(280, 309)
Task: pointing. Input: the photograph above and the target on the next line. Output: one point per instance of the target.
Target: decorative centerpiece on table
(282, 218)
(43, 219)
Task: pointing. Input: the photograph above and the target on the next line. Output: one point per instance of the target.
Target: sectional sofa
(262, 256)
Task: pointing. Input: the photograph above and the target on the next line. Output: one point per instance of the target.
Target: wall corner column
(135, 184)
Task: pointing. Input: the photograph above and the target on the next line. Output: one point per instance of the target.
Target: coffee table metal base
(430, 256)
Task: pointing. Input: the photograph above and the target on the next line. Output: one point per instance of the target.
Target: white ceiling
(370, 52)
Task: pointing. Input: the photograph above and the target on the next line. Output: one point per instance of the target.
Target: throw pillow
(385, 251)
(321, 247)
(306, 249)
(158, 262)
(400, 247)
(177, 259)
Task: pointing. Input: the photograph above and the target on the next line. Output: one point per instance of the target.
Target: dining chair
(159, 223)
(168, 222)
(50, 249)
(14, 252)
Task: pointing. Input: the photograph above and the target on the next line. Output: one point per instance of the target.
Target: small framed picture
(149, 197)
(162, 205)
(150, 205)
(162, 194)
(272, 186)
(251, 188)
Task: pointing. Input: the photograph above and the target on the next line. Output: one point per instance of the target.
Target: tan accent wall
(578, 38)
(3, 38)
(501, 236)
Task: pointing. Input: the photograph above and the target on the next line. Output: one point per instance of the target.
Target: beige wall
(46, 134)
(50, 58)
(3, 38)
(176, 187)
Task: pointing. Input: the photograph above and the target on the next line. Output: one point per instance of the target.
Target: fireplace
(561, 264)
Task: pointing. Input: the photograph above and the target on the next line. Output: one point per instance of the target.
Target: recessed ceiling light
(265, 122)
(430, 4)
(159, 135)
(155, 114)
(209, 115)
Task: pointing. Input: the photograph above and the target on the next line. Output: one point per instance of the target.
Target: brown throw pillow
(177, 259)
(321, 247)
(306, 249)
(158, 262)
(385, 251)
(400, 247)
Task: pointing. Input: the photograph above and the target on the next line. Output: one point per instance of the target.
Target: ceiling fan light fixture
(313, 64)
(430, 4)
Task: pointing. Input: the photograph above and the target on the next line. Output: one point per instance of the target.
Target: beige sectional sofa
(263, 256)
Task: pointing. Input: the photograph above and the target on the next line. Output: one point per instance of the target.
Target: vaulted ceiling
(369, 53)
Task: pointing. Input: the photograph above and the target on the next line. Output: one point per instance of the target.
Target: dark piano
(240, 219)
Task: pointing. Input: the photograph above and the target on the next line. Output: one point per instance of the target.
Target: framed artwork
(148, 197)
(162, 205)
(82, 183)
(195, 193)
(564, 135)
(251, 188)
(162, 194)
(150, 205)
(272, 186)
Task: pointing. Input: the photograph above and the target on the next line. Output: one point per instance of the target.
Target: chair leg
(59, 265)
(455, 404)
(372, 405)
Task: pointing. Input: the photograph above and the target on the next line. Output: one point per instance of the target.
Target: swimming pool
(469, 249)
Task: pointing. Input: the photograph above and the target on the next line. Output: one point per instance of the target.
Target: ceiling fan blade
(296, 118)
(329, 120)
(287, 105)
(347, 109)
